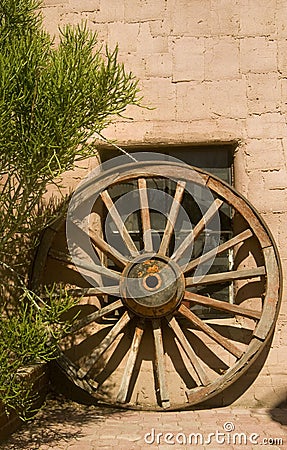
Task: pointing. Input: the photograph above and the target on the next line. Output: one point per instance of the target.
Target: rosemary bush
(26, 338)
(52, 102)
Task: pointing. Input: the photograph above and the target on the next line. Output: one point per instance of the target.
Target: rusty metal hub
(152, 286)
(140, 339)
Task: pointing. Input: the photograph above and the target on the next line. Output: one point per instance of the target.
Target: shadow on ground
(58, 420)
(279, 412)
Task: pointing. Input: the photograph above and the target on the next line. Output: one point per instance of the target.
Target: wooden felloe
(155, 315)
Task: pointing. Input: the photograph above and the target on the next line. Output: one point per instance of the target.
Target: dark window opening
(217, 160)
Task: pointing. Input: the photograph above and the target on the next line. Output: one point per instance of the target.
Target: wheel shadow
(232, 393)
(279, 412)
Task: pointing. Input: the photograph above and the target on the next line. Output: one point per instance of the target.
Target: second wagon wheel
(179, 286)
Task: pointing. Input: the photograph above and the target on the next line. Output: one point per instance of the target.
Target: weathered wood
(93, 292)
(263, 321)
(119, 223)
(129, 368)
(203, 378)
(71, 371)
(104, 345)
(160, 363)
(222, 306)
(171, 220)
(160, 169)
(218, 250)
(221, 340)
(272, 295)
(90, 191)
(226, 276)
(96, 268)
(197, 395)
(40, 259)
(145, 215)
(212, 210)
(93, 317)
(119, 259)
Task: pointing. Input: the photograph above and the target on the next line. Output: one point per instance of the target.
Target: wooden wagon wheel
(155, 332)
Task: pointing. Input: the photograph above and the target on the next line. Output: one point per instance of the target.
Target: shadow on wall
(63, 385)
(241, 385)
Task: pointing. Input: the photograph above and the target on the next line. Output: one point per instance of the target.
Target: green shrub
(27, 337)
(53, 99)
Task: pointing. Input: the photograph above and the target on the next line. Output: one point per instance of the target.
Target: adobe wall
(215, 71)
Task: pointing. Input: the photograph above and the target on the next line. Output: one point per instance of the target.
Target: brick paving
(66, 425)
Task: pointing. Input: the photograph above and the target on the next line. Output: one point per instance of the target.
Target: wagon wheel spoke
(212, 210)
(93, 317)
(106, 342)
(92, 268)
(94, 292)
(160, 364)
(218, 250)
(171, 219)
(114, 213)
(108, 250)
(129, 368)
(71, 371)
(226, 276)
(222, 306)
(203, 378)
(145, 215)
(144, 322)
(223, 341)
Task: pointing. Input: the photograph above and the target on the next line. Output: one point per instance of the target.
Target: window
(216, 160)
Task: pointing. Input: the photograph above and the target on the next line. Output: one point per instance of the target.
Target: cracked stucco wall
(215, 71)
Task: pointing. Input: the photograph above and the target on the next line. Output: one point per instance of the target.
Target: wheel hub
(152, 286)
